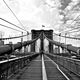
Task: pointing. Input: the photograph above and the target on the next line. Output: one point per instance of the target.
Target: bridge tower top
(48, 33)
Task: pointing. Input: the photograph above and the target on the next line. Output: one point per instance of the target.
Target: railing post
(25, 49)
(63, 50)
(58, 50)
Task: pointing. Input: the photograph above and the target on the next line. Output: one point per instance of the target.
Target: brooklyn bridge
(39, 39)
(55, 64)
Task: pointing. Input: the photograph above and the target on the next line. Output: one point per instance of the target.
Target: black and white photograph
(39, 39)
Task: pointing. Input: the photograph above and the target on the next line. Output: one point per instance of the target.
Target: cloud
(38, 3)
(64, 3)
(33, 13)
(3, 8)
(15, 5)
(72, 4)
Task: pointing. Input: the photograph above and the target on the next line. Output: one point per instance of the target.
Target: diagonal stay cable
(72, 29)
(71, 24)
(12, 24)
(14, 14)
(9, 27)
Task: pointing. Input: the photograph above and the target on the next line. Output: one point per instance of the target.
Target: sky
(35, 13)
(32, 13)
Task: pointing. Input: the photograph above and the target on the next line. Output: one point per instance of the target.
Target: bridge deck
(34, 71)
(51, 69)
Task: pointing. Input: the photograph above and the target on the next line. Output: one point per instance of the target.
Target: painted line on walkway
(44, 75)
(59, 68)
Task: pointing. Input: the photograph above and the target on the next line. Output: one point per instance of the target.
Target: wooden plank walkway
(34, 71)
(52, 72)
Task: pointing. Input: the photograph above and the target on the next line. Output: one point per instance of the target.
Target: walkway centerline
(44, 75)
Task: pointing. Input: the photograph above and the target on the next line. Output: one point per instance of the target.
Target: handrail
(11, 66)
(70, 64)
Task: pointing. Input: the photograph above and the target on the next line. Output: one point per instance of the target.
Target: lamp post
(27, 35)
(59, 37)
(65, 37)
(27, 39)
(22, 37)
(65, 41)
(59, 41)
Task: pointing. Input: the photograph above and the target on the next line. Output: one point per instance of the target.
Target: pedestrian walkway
(41, 68)
(33, 72)
(52, 71)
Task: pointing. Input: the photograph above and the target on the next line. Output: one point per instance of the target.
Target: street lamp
(65, 37)
(65, 41)
(27, 35)
(22, 37)
(59, 37)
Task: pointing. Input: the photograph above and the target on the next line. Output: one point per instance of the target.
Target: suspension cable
(71, 24)
(67, 37)
(12, 37)
(74, 31)
(12, 24)
(10, 27)
(14, 14)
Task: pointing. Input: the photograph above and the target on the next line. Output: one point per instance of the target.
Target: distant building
(1, 43)
(10, 42)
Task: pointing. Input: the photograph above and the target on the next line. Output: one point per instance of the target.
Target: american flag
(43, 26)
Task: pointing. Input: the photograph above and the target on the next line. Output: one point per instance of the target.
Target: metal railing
(72, 65)
(12, 66)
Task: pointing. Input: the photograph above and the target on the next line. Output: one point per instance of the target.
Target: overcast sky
(35, 13)
(32, 13)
